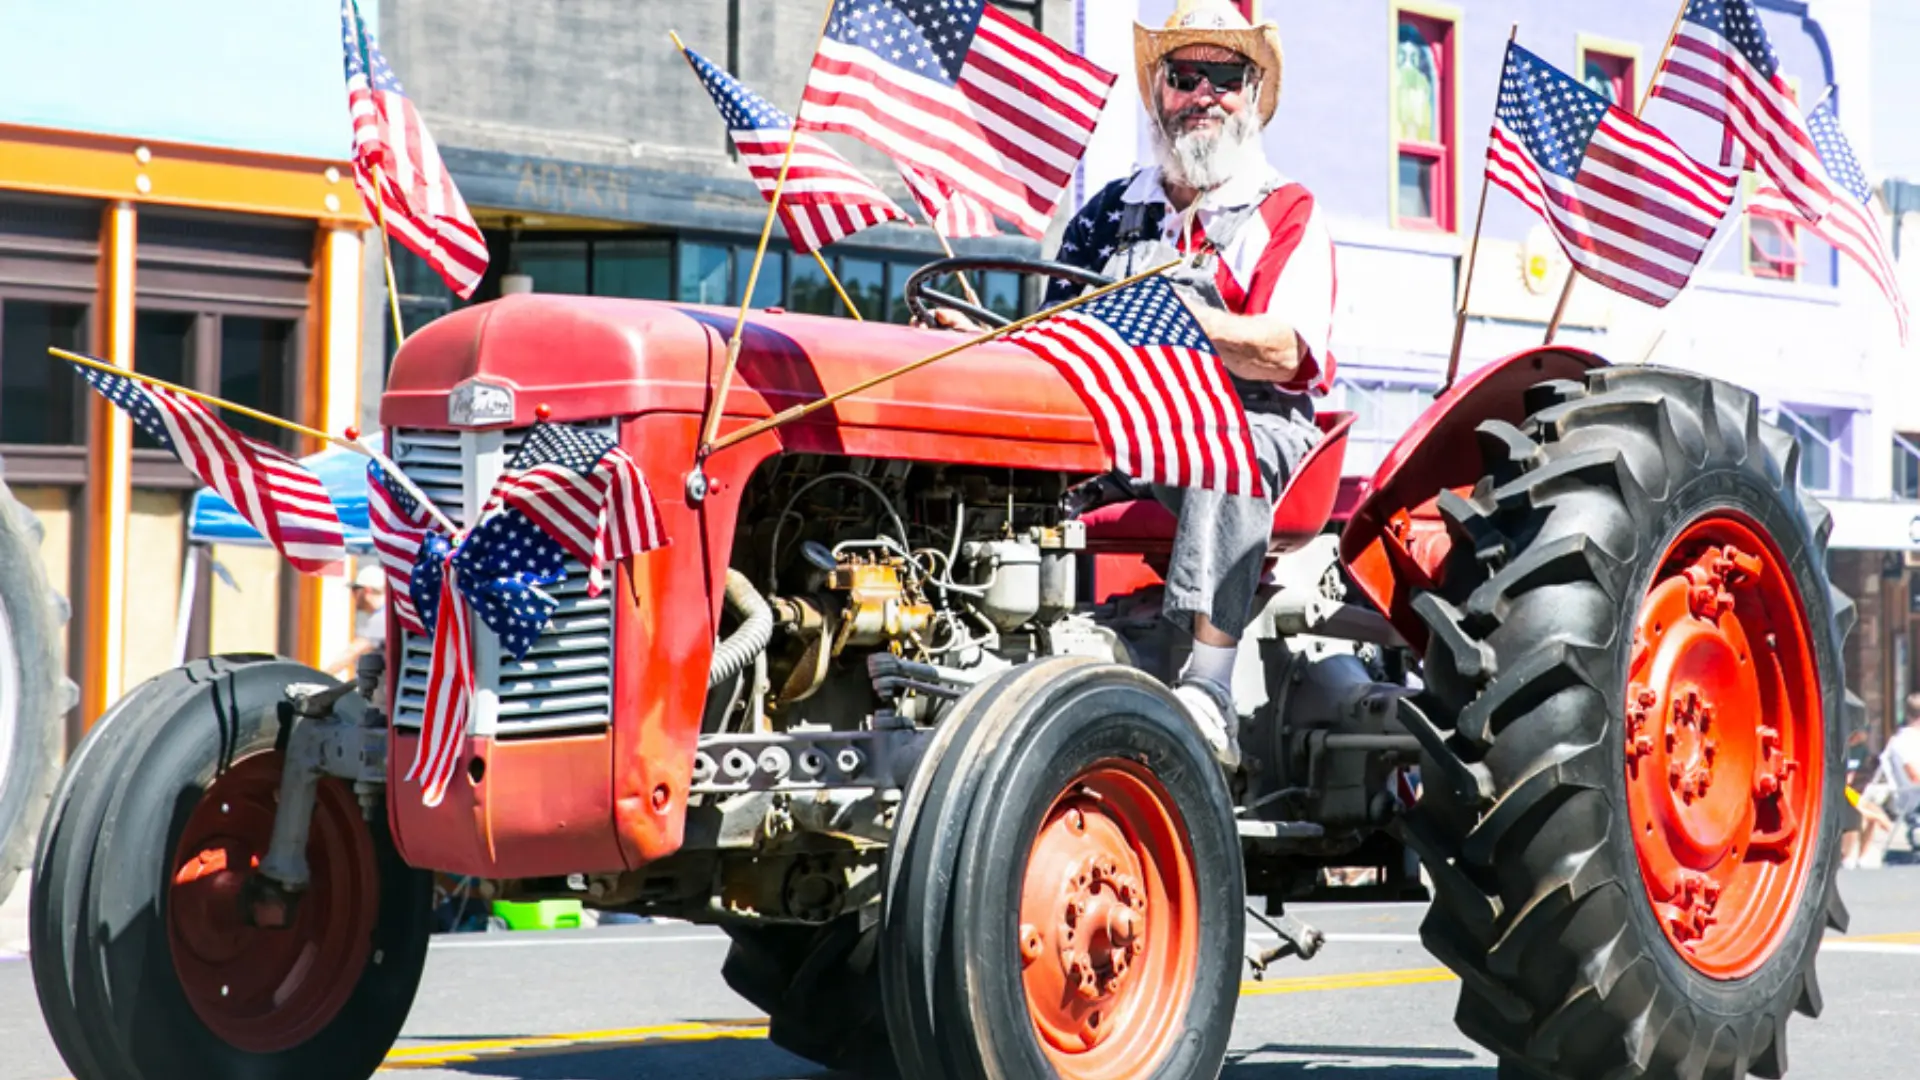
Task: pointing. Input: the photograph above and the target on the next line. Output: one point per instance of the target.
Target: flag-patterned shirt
(1629, 207)
(1156, 388)
(964, 91)
(282, 499)
(824, 198)
(1279, 260)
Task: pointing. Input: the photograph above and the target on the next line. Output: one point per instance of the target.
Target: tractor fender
(1395, 543)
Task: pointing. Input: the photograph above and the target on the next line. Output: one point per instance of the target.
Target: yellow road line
(1911, 938)
(437, 1054)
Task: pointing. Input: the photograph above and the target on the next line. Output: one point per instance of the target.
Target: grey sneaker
(1211, 707)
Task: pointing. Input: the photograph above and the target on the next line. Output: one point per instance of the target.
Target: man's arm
(1259, 348)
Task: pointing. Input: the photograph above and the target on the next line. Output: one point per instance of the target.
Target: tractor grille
(565, 682)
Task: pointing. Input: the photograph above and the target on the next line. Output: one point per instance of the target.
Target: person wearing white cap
(1263, 292)
(369, 620)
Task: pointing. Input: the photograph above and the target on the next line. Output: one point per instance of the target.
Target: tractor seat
(1143, 526)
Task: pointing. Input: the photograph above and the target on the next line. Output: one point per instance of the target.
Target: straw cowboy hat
(1212, 22)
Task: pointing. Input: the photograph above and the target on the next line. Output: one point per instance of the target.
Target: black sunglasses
(1225, 78)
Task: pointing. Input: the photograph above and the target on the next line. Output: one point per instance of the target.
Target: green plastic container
(540, 915)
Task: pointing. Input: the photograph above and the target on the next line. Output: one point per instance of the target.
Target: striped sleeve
(1282, 265)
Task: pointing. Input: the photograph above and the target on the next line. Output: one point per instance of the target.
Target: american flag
(1851, 225)
(582, 489)
(825, 198)
(1632, 210)
(422, 206)
(952, 212)
(278, 496)
(437, 588)
(1723, 66)
(398, 524)
(1157, 390)
(964, 91)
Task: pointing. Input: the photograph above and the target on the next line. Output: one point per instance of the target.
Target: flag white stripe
(999, 196)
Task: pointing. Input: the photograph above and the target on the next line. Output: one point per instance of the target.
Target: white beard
(1205, 159)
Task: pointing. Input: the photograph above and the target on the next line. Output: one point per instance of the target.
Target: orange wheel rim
(1109, 926)
(1726, 750)
(263, 990)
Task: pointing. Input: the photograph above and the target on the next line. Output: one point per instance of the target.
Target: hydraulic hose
(732, 655)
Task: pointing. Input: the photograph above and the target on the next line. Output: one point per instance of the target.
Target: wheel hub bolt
(1030, 943)
(1076, 821)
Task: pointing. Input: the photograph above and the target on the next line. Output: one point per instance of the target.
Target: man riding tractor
(1262, 289)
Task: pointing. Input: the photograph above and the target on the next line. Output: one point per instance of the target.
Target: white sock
(1213, 662)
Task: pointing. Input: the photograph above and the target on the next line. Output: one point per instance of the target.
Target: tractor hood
(587, 358)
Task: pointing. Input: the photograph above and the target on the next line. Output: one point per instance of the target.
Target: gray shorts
(1221, 544)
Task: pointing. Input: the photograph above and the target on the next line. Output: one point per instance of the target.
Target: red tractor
(897, 721)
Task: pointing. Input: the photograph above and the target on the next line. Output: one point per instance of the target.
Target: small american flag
(1851, 225)
(278, 496)
(1723, 66)
(398, 524)
(422, 206)
(437, 589)
(1630, 208)
(825, 198)
(582, 489)
(964, 91)
(952, 212)
(1157, 390)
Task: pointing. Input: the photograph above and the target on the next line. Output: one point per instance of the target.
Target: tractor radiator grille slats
(565, 682)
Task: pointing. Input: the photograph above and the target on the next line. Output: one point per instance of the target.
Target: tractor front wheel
(1640, 652)
(141, 896)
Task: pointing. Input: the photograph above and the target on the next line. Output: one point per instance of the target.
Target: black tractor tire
(1011, 771)
(115, 936)
(1541, 902)
(35, 693)
(820, 990)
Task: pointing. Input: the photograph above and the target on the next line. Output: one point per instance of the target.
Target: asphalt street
(618, 1003)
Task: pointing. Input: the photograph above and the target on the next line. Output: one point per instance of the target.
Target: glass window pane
(1416, 89)
(163, 348)
(865, 282)
(256, 370)
(556, 266)
(897, 275)
(1600, 80)
(1906, 469)
(809, 290)
(767, 287)
(1416, 186)
(40, 396)
(1000, 290)
(637, 269)
(703, 274)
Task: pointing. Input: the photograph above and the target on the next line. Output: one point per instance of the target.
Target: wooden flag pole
(1573, 273)
(352, 444)
(798, 411)
(386, 256)
(824, 268)
(1473, 256)
(719, 403)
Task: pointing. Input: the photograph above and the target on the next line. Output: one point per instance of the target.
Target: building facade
(176, 197)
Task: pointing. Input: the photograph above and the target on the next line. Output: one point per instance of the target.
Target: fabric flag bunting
(953, 213)
(964, 91)
(436, 587)
(281, 498)
(825, 198)
(1851, 226)
(1723, 66)
(1159, 394)
(422, 207)
(398, 524)
(583, 490)
(1630, 208)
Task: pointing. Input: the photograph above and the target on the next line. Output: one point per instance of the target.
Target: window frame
(1627, 54)
(1789, 270)
(1794, 418)
(1445, 154)
(1906, 459)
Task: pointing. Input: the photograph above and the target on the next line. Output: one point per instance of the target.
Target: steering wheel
(922, 298)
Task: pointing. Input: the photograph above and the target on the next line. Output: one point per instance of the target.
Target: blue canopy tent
(213, 520)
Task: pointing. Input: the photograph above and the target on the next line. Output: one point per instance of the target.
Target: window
(163, 347)
(40, 398)
(808, 290)
(703, 274)
(556, 266)
(1906, 465)
(1823, 434)
(865, 282)
(636, 269)
(256, 368)
(1773, 241)
(769, 286)
(1423, 121)
(1610, 70)
(1383, 411)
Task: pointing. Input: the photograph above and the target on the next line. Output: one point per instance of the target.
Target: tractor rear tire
(149, 961)
(1087, 917)
(35, 693)
(1640, 653)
